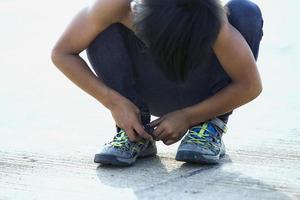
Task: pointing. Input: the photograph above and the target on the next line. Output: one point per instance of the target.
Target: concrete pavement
(50, 130)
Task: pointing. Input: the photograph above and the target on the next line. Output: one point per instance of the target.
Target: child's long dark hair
(178, 33)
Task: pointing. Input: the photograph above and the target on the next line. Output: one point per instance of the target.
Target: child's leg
(123, 63)
(246, 17)
(109, 58)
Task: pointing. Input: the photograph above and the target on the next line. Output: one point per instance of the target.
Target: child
(189, 62)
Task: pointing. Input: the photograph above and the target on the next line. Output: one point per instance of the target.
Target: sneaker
(203, 143)
(122, 152)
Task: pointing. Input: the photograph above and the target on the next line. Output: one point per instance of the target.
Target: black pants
(121, 60)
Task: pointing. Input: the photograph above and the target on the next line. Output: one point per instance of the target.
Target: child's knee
(245, 16)
(104, 38)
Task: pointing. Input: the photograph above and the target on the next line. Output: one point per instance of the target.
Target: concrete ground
(50, 130)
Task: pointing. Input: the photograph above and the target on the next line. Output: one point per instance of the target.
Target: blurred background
(37, 101)
(42, 111)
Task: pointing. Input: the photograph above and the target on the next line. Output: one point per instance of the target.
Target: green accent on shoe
(201, 139)
(120, 139)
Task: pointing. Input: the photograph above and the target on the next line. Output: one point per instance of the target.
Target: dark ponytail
(178, 33)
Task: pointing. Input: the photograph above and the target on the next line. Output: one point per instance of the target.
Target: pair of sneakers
(202, 144)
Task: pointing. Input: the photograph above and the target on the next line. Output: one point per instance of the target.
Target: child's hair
(179, 33)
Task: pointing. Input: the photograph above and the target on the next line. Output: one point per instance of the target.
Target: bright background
(36, 100)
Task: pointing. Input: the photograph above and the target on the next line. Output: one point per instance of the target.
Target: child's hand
(127, 116)
(171, 127)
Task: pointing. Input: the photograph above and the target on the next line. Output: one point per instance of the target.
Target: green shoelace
(200, 135)
(121, 141)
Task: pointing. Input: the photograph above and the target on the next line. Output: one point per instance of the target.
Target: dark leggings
(121, 60)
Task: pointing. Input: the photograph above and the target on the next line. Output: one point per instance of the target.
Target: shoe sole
(109, 160)
(194, 157)
(117, 161)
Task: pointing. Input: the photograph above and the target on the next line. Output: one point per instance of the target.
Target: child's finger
(141, 131)
(161, 135)
(133, 137)
(157, 131)
(155, 122)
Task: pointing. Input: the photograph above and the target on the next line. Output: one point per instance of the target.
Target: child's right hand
(128, 117)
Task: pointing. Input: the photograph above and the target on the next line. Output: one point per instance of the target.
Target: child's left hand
(171, 127)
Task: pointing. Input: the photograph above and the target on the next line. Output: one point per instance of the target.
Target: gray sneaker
(203, 143)
(120, 151)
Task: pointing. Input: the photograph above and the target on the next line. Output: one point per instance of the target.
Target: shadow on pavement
(165, 178)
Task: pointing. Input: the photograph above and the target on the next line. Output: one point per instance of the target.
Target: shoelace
(201, 134)
(121, 141)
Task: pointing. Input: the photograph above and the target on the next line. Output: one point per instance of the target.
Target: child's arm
(79, 34)
(238, 61)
